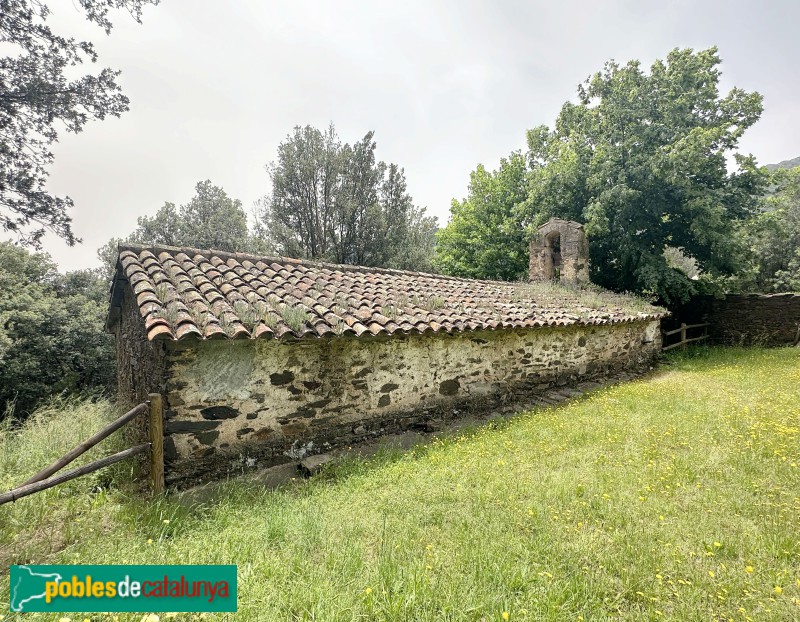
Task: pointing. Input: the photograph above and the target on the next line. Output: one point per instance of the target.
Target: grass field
(676, 497)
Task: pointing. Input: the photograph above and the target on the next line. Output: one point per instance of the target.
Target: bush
(52, 335)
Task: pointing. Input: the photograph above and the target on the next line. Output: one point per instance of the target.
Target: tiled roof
(183, 293)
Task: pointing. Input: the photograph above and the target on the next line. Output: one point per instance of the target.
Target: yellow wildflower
(505, 615)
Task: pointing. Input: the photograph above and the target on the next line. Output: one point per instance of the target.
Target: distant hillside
(785, 164)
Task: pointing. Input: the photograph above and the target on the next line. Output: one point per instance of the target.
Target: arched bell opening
(552, 248)
(559, 251)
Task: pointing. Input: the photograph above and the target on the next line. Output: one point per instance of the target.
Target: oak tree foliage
(52, 337)
(211, 219)
(773, 237)
(485, 238)
(642, 159)
(42, 94)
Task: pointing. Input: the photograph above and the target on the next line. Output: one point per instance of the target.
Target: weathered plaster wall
(260, 402)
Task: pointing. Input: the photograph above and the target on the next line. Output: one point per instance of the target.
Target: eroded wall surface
(254, 403)
(573, 256)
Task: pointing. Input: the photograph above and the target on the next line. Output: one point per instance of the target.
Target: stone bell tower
(559, 252)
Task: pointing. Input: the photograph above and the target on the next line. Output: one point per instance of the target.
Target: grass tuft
(294, 316)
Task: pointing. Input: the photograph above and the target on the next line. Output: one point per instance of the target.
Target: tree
(299, 215)
(641, 159)
(406, 234)
(39, 96)
(211, 219)
(52, 336)
(774, 236)
(485, 237)
(334, 201)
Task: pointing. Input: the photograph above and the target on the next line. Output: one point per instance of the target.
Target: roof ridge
(212, 252)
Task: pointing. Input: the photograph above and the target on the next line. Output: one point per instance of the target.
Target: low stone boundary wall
(748, 319)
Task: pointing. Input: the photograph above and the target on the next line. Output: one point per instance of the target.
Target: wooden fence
(47, 478)
(684, 338)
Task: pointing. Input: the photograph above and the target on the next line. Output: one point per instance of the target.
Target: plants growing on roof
(434, 303)
(249, 315)
(294, 316)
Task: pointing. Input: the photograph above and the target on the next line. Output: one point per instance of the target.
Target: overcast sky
(445, 85)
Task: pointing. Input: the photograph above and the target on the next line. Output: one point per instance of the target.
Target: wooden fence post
(156, 428)
(683, 335)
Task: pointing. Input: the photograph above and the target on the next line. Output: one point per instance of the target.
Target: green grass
(675, 497)
(37, 527)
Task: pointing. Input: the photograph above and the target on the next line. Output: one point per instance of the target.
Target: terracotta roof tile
(189, 293)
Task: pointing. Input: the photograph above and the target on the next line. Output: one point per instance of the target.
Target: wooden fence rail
(45, 478)
(87, 445)
(29, 489)
(683, 330)
(156, 430)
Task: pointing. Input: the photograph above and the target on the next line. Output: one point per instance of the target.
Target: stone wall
(140, 363)
(571, 261)
(256, 403)
(761, 319)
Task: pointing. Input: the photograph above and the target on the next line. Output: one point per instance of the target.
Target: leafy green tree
(163, 228)
(485, 237)
(298, 217)
(774, 236)
(52, 337)
(40, 93)
(641, 159)
(336, 202)
(211, 219)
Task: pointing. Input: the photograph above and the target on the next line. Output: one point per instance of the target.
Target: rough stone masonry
(260, 403)
(263, 360)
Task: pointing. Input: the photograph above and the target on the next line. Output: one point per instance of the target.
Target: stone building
(560, 252)
(263, 359)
